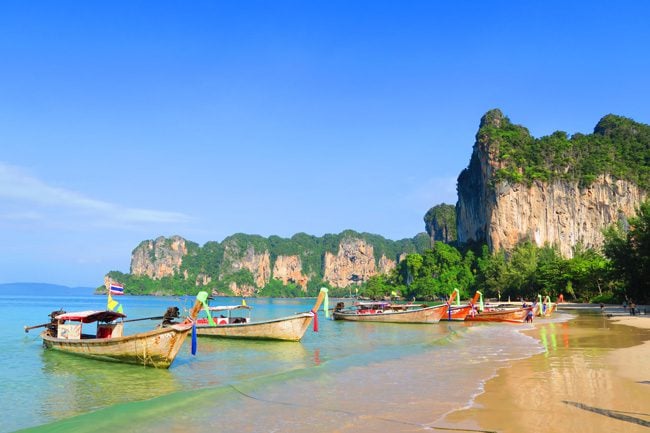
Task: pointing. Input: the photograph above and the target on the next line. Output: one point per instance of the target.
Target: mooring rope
(350, 413)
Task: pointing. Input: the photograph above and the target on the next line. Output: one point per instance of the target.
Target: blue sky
(122, 121)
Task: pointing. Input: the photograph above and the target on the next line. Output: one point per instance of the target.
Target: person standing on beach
(529, 316)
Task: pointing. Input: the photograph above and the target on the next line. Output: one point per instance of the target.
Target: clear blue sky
(122, 121)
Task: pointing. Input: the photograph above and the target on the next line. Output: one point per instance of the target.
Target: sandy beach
(589, 380)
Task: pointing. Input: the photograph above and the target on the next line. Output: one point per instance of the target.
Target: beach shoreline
(592, 380)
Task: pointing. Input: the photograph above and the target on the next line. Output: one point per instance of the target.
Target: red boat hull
(516, 315)
(457, 314)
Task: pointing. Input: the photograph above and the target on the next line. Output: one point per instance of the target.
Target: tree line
(620, 271)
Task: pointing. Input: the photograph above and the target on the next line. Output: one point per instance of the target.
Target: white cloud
(28, 197)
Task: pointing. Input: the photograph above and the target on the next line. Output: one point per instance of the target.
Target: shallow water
(578, 383)
(346, 375)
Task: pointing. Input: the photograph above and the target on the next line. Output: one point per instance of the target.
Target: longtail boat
(513, 315)
(156, 348)
(497, 314)
(381, 311)
(545, 308)
(458, 312)
(229, 325)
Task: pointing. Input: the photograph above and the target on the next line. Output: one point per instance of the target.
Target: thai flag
(117, 289)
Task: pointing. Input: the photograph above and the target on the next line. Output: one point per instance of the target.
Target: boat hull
(156, 348)
(290, 328)
(457, 314)
(420, 315)
(517, 315)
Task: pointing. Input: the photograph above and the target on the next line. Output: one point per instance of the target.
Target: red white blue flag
(117, 289)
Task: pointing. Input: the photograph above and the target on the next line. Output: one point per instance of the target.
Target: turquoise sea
(394, 377)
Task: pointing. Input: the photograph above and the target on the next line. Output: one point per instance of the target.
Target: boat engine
(52, 327)
(171, 314)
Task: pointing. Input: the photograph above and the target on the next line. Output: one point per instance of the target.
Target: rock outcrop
(258, 263)
(558, 212)
(440, 223)
(354, 263)
(288, 269)
(386, 265)
(158, 258)
(243, 264)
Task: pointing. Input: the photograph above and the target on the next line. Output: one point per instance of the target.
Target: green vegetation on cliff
(618, 146)
(528, 271)
(428, 274)
(216, 265)
(440, 223)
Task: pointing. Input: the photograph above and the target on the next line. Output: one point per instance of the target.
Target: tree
(491, 272)
(629, 252)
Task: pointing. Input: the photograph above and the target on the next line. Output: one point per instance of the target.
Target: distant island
(43, 289)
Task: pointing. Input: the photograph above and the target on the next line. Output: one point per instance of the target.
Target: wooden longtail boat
(545, 308)
(479, 313)
(458, 312)
(155, 348)
(512, 315)
(290, 328)
(391, 313)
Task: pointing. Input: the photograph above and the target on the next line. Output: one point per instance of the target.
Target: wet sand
(593, 377)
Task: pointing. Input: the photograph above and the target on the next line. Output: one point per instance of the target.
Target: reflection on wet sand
(576, 384)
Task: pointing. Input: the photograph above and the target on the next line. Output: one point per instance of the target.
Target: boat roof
(90, 316)
(230, 307)
(362, 303)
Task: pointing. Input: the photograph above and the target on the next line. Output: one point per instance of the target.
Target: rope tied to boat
(315, 313)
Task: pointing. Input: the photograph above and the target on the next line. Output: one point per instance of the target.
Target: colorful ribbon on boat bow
(194, 342)
(315, 313)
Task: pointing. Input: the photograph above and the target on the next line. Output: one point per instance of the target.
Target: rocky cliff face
(258, 263)
(158, 258)
(288, 269)
(242, 265)
(386, 265)
(440, 223)
(557, 212)
(354, 263)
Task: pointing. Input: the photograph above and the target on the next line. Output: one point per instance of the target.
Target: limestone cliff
(561, 211)
(440, 223)
(158, 258)
(385, 264)
(288, 269)
(243, 264)
(354, 263)
(237, 257)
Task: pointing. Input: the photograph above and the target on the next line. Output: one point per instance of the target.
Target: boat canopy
(230, 307)
(371, 303)
(91, 316)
